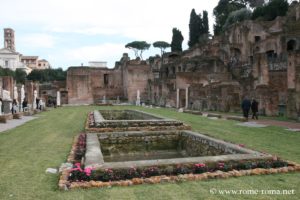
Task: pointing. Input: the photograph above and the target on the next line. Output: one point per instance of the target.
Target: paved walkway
(268, 122)
(14, 123)
(290, 125)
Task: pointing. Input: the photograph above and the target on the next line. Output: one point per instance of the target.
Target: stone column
(58, 98)
(104, 99)
(0, 107)
(186, 97)
(22, 97)
(177, 98)
(34, 105)
(138, 98)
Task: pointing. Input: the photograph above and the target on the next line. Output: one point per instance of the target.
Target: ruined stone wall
(29, 88)
(49, 91)
(137, 76)
(293, 99)
(79, 86)
(8, 84)
(88, 85)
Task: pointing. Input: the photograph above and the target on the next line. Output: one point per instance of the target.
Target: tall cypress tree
(205, 22)
(195, 28)
(177, 39)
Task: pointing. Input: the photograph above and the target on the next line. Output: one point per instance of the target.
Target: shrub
(237, 16)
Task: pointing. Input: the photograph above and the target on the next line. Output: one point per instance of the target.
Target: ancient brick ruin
(259, 59)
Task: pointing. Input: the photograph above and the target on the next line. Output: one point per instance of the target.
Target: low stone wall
(195, 146)
(214, 115)
(236, 118)
(127, 115)
(192, 143)
(194, 112)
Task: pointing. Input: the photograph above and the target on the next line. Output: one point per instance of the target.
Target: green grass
(27, 151)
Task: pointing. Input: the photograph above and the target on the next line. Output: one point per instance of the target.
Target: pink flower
(200, 165)
(78, 165)
(241, 145)
(88, 171)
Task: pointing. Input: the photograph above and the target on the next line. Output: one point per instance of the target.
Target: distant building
(9, 39)
(43, 64)
(33, 62)
(11, 59)
(30, 61)
(100, 64)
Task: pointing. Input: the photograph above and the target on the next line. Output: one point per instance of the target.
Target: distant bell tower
(9, 39)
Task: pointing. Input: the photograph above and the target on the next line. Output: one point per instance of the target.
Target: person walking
(14, 107)
(24, 105)
(246, 104)
(254, 109)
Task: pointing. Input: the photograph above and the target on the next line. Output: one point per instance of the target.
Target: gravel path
(14, 123)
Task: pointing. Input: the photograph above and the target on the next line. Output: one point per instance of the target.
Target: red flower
(200, 165)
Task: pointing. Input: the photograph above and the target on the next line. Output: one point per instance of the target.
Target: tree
(271, 10)
(47, 75)
(195, 27)
(177, 39)
(6, 72)
(205, 22)
(222, 11)
(162, 45)
(20, 76)
(237, 16)
(138, 47)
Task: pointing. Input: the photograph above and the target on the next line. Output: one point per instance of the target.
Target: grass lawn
(27, 151)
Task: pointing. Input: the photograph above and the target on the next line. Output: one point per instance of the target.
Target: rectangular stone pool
(130, 120)
(155, 148)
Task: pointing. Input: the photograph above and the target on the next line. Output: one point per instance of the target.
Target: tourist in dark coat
(14, 107)
(246, 104)
(254, 109)
(24, 105)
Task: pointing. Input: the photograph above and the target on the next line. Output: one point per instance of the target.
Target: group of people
(247, 105)
(15, 106)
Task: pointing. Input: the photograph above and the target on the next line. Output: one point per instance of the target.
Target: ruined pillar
(34, 105)
(58, 98)
(177, 98)
(186, 97)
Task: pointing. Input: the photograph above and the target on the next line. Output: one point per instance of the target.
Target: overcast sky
(71, 32)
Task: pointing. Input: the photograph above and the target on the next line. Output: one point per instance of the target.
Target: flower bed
(80, 177)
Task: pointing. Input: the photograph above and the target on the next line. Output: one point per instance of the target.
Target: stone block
(4, 118)
(17, 115)
(237, 118)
